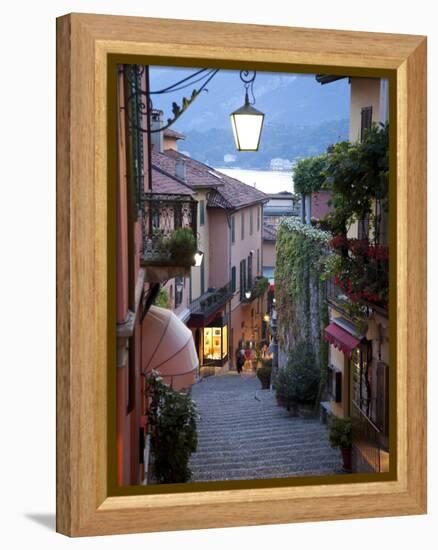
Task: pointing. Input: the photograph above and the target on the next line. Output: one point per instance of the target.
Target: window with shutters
(334, 384)
(242, 278)
(366, 119)
(251, 223)
(242, 227)
(233, 279)
(363, 228)
(233, 229)
(249, 284)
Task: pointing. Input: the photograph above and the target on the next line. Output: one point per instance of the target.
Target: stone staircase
(243, 434)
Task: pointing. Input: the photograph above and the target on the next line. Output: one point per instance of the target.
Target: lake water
(268, 181)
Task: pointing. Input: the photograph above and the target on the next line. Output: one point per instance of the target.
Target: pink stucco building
(215, 299)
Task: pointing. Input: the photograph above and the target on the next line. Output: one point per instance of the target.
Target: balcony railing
(358, 313)
(211, 301)
(162, 215)
(369, 454)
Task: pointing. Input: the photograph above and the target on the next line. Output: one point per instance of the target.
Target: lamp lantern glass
(247, 124)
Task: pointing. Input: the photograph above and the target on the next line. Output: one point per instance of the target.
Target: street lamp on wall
(247, 122)
(247, 294)
(199, 256)
(179, 285)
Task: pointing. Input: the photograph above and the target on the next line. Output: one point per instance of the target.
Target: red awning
(341, 339)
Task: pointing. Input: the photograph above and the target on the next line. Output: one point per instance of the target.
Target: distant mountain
(284, 98)
(302, 117)
(277, 141)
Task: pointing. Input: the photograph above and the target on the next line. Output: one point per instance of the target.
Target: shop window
(215, 344)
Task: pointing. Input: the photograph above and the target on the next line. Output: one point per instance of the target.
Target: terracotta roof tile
(198, 175)
(163, 183)
(172, 134)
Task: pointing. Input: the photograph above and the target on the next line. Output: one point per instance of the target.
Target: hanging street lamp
(247, 122)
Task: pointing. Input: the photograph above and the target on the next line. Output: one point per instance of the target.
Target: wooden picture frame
(85, 43)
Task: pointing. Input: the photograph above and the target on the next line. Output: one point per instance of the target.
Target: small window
(249, 283)
(242, 227)
(366, 118)
(233, 229)
(179, 289)
(233, 279)
(363, 228)
(242, 278)
(201, 212)
(334, 384)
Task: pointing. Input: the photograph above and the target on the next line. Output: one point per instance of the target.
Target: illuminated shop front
(215, 340)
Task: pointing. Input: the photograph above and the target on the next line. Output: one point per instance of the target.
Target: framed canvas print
(241, 284)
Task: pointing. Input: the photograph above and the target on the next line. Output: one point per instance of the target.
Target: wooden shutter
(338, 386)
(366, 118)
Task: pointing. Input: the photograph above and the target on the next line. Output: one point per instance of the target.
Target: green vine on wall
(309, 174)
(302, 310)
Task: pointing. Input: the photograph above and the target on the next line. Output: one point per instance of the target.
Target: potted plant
(281, 387)
(264, 375)
(258, 355)
(173, 419)
(340, 437)
(182, 246)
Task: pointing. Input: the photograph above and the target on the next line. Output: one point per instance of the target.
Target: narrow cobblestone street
(243, 434)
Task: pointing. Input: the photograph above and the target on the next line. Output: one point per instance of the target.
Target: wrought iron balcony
(210, 302)
(355, 312)
(169, 230)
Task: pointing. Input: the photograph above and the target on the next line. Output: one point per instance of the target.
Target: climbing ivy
(302, 311)
(308, 174)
